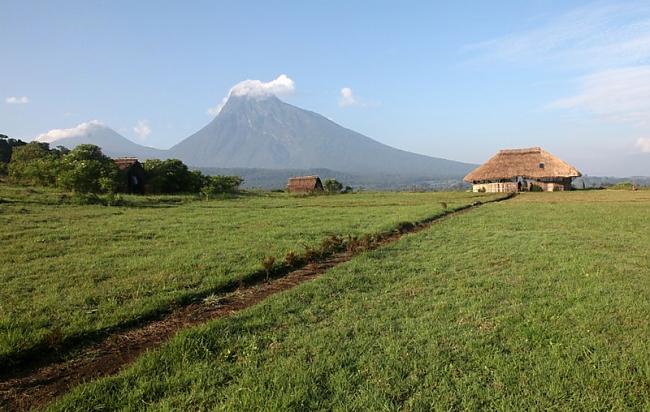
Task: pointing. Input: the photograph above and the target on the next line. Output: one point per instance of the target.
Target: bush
(536, 188)
(87, 170)
(332, 186)
(172, 176)
(6, 147)
(34, 163)
(215, 185)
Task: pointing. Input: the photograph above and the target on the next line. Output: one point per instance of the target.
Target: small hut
(516, 170)
(133, 175)
(304, 184)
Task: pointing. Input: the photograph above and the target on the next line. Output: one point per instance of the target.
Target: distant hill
(112, 143)
(264, 132)
(277, 179)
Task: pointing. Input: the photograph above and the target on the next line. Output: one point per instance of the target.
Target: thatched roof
(123, 163)
(531, 163)
(304, 184)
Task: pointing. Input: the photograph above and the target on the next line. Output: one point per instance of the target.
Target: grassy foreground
(68, 270)
(540, 302)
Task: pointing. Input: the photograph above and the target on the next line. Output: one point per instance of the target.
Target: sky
(458, 80)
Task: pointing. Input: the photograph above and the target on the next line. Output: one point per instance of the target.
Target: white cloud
(643, 143)
(79, 130)
(595, 36)
(347, 98)
(17, 100)
(280, 86)
(615, 94)
(142, 129)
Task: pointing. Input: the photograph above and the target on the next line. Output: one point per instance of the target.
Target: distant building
(304, 184)
(133, 175)
(517, 170)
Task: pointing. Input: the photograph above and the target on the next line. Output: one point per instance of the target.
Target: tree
(34, 163)
(87, 170)
(215, 185)
(6, 147)
(332, 186)
(172, 176)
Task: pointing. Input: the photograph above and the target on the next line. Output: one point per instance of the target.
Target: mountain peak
(258, 130)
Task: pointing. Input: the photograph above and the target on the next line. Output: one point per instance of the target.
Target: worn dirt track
(37, 384)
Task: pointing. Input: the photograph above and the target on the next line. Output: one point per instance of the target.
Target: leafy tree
(87, 170)
(172, 176)
(34, 163)
(215, 185)
(6, 147)
(332, 186)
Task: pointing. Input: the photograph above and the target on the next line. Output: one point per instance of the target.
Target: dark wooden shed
(304, 184)
(133, 176)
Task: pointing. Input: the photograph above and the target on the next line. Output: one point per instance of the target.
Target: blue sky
(457, 80)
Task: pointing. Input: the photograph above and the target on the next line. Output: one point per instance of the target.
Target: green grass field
(540, 302)
(69, 270)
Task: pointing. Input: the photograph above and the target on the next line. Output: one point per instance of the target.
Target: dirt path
(37, 384)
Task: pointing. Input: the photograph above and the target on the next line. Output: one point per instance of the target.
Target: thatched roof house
(133, 175)
(304, 184)
(515, 170)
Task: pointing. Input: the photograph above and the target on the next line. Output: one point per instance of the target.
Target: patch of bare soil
(38, 383)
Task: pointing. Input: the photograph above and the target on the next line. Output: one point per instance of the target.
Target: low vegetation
(540, 302)
(86, 170)
(69, 270)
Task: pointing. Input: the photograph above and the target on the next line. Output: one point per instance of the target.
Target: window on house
(541, 165)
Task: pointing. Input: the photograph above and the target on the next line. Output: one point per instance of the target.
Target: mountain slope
(112, 143)
(254, 132)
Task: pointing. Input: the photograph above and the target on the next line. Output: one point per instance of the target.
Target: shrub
(331, 244)
(267, 265)
(215, 185)
(332, 186)
(291, 259)
(172, 176)
(87, 170)
(34, 163)
(536, 188)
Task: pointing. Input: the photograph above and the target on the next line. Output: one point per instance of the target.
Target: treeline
(85, 169)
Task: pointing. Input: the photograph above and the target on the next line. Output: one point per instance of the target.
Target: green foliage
(6, 147)
(171, 176)
(34, 163)
(332, 186)
(215, 185)
(536, 188)
(86, 169)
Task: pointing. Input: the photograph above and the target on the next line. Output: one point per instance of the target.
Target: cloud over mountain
(280, 86)
(80, 130)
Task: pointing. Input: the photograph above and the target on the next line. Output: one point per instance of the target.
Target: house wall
(509, 187)
(552, 186)
(498, 187)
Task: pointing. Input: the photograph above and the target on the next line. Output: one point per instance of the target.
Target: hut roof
(304, 183)
(532, 163)
(124, 163)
